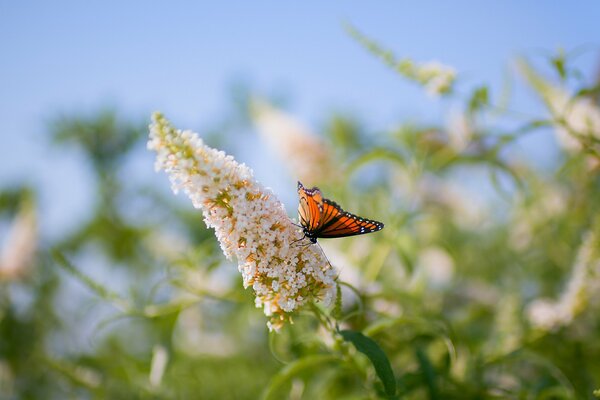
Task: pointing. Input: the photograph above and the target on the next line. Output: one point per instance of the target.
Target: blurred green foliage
(475, 235)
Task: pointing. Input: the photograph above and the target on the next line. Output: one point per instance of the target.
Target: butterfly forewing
(310, 207)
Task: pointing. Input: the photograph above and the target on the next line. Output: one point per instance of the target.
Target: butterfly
(323, 218)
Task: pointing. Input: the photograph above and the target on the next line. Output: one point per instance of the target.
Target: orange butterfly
(323, 218)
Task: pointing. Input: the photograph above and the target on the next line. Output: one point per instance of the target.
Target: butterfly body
(323, 218)
(310, 236)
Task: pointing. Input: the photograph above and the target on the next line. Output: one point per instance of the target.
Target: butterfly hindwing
(342, 223)
(331, 211)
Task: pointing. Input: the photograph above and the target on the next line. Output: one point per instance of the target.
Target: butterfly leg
(298, 240)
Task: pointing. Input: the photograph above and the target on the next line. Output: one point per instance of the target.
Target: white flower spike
(580, 292)
(249, 222)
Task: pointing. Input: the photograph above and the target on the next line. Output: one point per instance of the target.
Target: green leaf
(428, 373)
(597, 393)
(479, 99)
(588, 91)
(559, 63)
(371, 349)
(292, 370)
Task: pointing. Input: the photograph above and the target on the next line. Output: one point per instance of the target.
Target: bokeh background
(126, 281)
(185, 60)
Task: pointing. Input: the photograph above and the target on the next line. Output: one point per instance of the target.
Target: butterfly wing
(335, 222)
(324, 218)
(310, 207)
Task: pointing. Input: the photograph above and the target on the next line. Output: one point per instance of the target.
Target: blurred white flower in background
(582, 286)
(18, 250)
(436, 78)
(192, 336)
(437, 265)
(434, 268)
(305, 154)
(576, 118)
(160, 357)
(546, 315)
(468, 210)
(551, 202)
(250, 223)
(459, 131)
(580, 117)
(167, 245)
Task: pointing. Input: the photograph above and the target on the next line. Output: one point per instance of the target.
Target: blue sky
(180, 57)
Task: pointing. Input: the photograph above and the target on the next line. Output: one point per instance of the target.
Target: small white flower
(249, 222)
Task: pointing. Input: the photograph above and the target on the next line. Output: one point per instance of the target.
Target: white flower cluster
(549, 315)
(249, 222)
(303, 152)
(436, 77)
(580, 116)
(576, 118)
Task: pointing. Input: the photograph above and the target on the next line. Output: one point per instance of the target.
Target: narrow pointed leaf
(371, 349)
